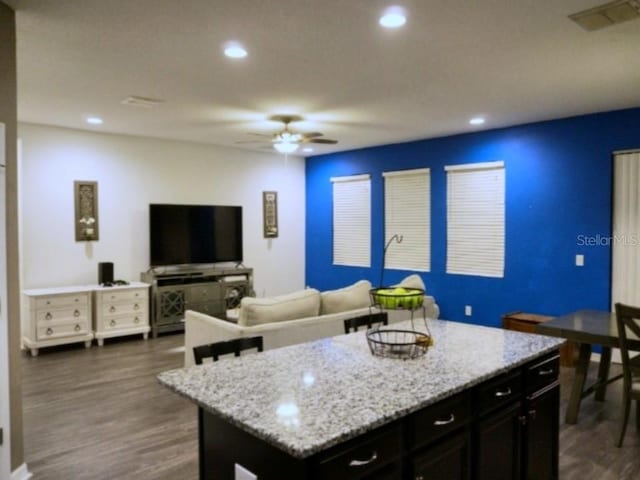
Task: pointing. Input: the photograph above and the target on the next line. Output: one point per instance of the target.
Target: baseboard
(21, 473)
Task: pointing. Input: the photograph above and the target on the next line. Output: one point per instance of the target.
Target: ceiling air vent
(608, 14)
(142, 102)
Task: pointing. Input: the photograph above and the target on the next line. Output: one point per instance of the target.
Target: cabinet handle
(523, 420)
(112, 309)
(49, 331)
(451, 419)
(77, 328)
(48, 316)
(360, 463)
(136, 320)
(545, 372)
(419, 477)
(532, 414)
(503, 393)
(76, 313)
(136, 307)
(112, 323)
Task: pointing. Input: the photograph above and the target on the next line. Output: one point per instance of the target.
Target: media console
(208, 290)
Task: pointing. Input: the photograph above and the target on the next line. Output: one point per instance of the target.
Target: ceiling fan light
(285, 147)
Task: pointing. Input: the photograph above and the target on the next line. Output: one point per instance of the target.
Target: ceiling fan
(288, 141)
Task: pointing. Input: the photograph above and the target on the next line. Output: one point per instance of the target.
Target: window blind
(476, 219)
(407, 212)
(352, 220)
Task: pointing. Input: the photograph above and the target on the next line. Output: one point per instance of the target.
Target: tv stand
(207, 290)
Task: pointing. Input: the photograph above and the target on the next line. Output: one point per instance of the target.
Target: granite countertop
(307, 397)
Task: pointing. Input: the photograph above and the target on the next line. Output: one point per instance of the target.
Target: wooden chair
(235, 346)
(368, 320)
(628, 319)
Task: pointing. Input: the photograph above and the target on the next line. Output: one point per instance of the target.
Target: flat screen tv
(192, 234)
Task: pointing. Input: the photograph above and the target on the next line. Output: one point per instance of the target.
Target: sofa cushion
(301, 304)
(412, 281)
(347, 298)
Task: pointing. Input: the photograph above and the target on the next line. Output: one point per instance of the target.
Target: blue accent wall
(558, 189)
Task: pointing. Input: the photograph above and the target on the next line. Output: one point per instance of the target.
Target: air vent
(608, 14)
(142, 102)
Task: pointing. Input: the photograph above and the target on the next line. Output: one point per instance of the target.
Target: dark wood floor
(100, 414)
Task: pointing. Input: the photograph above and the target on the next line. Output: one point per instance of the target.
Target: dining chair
(628, 320)
(235, 346)
(368, 320)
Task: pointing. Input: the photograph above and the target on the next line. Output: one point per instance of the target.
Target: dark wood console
(211, 291)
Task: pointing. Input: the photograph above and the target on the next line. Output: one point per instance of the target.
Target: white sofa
(294, 318)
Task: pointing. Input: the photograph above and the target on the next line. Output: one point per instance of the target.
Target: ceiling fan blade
(268, 135)
(252, 141)
(311, 134)
(327, 141)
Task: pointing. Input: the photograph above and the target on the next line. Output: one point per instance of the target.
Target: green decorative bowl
(397, 298)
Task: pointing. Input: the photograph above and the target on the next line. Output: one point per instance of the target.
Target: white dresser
(57, 316)
(121, 310)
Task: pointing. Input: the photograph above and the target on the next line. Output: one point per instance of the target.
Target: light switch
(579, 260)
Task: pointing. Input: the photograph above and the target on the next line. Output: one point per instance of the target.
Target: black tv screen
(188, 234)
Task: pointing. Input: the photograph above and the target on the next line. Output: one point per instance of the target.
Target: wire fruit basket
(397, 298)
(404, 344)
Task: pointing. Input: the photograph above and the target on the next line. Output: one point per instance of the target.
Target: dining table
(588, 328)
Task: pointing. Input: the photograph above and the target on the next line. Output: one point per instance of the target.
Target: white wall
(131, 173)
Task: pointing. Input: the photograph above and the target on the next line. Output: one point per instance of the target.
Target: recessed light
(393, 17)
(235, 50)
(477, 121)
(94, 120)
(307, 149)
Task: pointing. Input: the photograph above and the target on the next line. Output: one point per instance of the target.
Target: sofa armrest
(202, 329)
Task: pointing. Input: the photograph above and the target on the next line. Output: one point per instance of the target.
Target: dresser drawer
(111, 309)
(543, 373)
(58, 301)
(71, 314)
(365, 456)
(437, 420)
(499, 392)
(63, 330)
(124, 322)
(203, 293)
(138, 294)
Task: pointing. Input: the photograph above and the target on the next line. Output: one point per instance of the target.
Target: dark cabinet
(447, 460)
(541, 434)
(498, 444)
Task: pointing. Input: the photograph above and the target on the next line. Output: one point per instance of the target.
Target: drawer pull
(503, 393)
(76, 300)
(136, 307)
(360, 463)
(112, 309)
(48, 316)
(451, 419)
(76, 313)
(136, 320)
(545, 372)
(77, 328)
(113, 297)
(112, 323)
(49, 331)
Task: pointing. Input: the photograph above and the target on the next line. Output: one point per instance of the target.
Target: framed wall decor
(86, 203)
(270, 214)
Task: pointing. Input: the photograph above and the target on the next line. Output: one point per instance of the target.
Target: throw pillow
(347, 298)
(302, 304)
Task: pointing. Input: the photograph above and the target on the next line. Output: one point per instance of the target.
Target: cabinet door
(498, 445)
(541, 434)
(449, 460)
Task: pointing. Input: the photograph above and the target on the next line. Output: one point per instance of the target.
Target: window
(352, 221)
(475, 219)
(407, 213)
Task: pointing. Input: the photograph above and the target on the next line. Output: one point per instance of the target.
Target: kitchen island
(482, 403)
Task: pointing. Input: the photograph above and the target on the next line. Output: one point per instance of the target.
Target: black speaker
(105, 273)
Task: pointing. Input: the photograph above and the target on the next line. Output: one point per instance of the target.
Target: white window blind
(352, 220)
(475, 219)
(407, 213)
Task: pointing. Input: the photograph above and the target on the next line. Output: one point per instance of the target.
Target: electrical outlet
(467, 310)
(579, 260)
